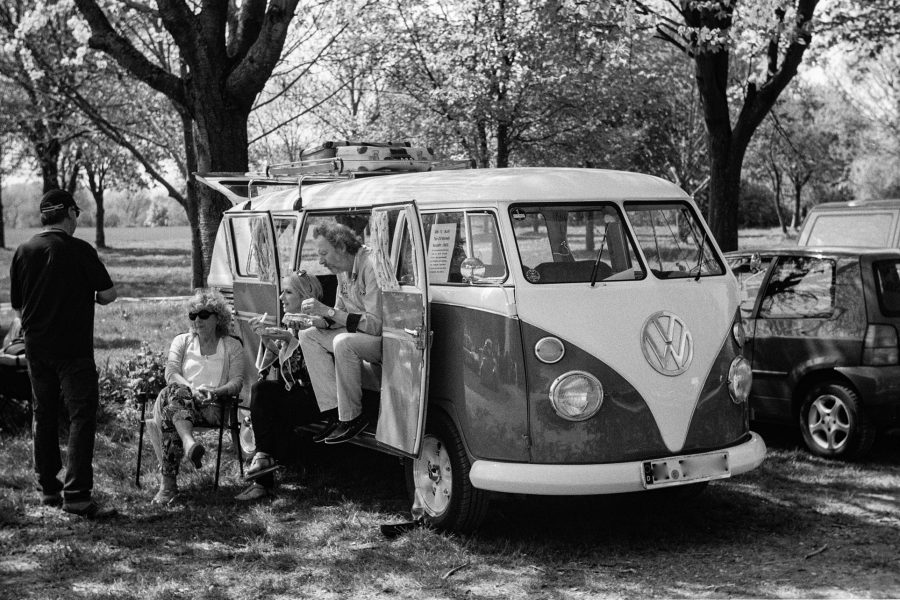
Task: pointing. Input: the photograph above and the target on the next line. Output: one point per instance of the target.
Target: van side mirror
(472, 270)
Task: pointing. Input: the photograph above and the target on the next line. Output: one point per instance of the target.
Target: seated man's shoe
(195, 454)
(254, 492)
(89, 510)
(164, 497)
(261, 464)
(347, 430)
(330, 426)
(52, 499)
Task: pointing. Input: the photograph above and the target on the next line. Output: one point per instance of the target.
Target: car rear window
(887, 282)
(869, 229)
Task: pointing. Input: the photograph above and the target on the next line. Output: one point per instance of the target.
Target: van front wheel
(440, 478)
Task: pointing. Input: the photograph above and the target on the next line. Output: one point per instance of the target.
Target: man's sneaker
(330, 426)
(89, 510)
(348, 430)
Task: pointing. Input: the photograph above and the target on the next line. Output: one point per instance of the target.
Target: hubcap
(433, 476)
(828, 422)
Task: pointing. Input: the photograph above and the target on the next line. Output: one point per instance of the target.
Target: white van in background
(864, 223)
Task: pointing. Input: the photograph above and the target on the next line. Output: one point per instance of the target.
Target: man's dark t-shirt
(54, 278)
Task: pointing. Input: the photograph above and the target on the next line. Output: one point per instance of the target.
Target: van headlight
(576, 395)
(740, 377)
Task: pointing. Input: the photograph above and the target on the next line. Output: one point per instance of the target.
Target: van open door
(255, 273)
(240, 187)
(398, 241)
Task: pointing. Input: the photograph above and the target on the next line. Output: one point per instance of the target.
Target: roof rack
(340, 168)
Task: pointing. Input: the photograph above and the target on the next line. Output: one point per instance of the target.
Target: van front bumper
(583, 480)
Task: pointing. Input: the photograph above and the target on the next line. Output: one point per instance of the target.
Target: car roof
(870, 203)
(847, 251)
(439, 188)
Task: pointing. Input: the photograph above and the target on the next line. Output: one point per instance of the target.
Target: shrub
(139, 376)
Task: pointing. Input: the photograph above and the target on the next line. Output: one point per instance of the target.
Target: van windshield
(574, 244)
(673, 240)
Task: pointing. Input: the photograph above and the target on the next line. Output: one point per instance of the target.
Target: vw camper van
(546, 330)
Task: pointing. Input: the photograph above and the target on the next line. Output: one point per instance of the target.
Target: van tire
(833, 423)
(454, 505)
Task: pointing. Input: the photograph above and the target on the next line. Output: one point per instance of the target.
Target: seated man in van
(348, 333)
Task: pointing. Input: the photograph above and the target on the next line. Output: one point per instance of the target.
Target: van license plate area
(685, 469)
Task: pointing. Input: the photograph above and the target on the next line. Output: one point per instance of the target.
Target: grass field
(798, 527)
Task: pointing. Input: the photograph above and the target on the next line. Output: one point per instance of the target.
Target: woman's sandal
(261, 465)
(254, 492)
(164, 497)
(195, 454)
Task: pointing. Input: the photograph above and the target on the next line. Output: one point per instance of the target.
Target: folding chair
(230, 403)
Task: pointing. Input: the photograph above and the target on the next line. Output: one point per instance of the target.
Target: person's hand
(258, 324)
(276, 333)
(318, 322)
(314, 308)
(205, 392)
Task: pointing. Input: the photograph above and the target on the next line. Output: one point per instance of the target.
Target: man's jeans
(64, 384)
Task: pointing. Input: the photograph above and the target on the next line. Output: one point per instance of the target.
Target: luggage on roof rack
(364, 160)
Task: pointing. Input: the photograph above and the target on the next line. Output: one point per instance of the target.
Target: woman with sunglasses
(203, 364)
(282, 399)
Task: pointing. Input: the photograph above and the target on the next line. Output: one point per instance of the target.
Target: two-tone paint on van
(649, 353)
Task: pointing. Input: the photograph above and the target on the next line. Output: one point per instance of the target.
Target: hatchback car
(821, 327)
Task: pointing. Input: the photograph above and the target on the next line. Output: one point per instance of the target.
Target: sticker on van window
(532, 275)
(440, 251)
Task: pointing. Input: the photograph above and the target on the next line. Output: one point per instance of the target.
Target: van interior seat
(567, 272)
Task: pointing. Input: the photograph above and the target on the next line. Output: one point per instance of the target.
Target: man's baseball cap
(56, 199)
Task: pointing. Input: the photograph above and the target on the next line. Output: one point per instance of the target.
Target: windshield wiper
(699, 266)
(599, 256)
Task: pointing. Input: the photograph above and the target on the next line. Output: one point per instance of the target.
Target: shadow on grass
(116, 343)
(774, 529)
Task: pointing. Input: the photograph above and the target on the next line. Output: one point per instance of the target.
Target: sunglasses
(77, 211)
(203, 314)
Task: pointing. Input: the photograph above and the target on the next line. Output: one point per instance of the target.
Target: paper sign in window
(440, 251)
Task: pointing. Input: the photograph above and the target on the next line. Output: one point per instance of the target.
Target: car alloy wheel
(833, 423)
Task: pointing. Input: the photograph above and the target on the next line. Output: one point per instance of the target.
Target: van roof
(443, 187)
(851, 251)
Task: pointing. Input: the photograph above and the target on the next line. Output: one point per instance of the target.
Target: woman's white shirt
(199, 368)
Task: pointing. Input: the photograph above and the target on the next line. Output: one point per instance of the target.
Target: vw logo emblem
(667, 343)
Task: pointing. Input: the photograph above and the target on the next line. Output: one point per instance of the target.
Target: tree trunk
(192, 202)
(47, 154)
(221, 143)
(99, 232)
(502, 145)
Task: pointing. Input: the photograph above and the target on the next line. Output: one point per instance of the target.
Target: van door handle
(413, 332)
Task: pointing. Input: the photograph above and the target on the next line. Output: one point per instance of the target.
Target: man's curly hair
(212, 300)
(339, 236)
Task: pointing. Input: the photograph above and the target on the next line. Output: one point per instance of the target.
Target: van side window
(457, 237)
(284, 241)
(253, 251)
(800, 287)
(574, 244)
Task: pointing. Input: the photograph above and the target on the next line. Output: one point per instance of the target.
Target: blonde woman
(278, 405)
(203, 364)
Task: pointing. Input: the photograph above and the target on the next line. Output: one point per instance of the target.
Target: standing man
(343, 336)
(55, 280)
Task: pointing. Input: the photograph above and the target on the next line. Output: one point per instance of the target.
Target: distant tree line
(113, 99)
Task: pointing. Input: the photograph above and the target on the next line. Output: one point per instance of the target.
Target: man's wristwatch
(331, 312)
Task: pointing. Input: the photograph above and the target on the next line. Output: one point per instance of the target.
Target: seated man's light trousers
(334, 361)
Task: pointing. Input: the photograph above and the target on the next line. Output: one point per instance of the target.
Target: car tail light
(880, 347)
